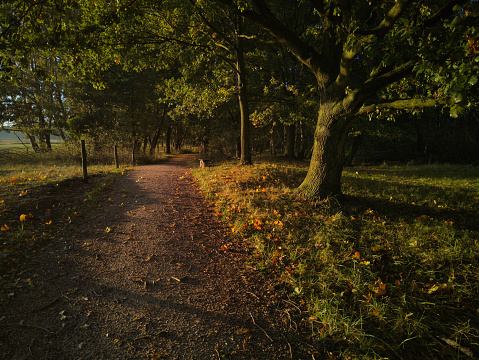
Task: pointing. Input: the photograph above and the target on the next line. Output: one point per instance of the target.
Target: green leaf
(473, 80)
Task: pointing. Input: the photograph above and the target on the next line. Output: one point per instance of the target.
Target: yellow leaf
(107, 229)
(48, 223)
(4, 228)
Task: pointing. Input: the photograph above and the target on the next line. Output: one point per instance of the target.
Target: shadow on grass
(463, 211)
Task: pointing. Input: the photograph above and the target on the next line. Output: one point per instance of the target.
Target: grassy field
(391, 273)
(40, 196)
(16, 144)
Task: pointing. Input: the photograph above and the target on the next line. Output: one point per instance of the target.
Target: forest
(338, 216)
(330, 82)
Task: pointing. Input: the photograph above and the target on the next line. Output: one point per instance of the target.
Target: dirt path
(144, 277)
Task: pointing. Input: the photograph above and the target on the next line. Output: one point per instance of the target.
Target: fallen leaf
(379, 288)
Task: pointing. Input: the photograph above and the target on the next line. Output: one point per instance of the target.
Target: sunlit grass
(390, 273)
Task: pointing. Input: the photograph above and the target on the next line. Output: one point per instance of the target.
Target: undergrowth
(389, 273)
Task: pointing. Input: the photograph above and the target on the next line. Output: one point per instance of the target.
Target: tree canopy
(312, 66)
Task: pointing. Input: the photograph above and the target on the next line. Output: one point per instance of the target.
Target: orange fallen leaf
(379, 288)
(4, 227)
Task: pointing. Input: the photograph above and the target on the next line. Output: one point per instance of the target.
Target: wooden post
(83, 160)
(117, 164)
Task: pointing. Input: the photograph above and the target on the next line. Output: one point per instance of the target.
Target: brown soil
(146, 276)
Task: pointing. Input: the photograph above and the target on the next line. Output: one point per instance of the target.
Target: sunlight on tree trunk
(323, 179)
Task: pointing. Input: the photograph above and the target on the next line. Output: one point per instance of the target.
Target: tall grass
(390, 273)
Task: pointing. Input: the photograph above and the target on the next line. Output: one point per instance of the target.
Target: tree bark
(48, 141)
(243, 99)
(34, 143)
(357, 140)
(323, 179)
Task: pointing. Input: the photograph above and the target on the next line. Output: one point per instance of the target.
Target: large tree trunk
(324, 175)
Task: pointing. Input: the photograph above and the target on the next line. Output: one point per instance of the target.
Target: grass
(390, 273)
(40, 196)
(16, 144)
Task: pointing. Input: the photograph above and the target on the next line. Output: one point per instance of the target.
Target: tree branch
(390, 19)
(264, 18)
(349, 53)
(404, 104)
(372, 85)
(212, 27)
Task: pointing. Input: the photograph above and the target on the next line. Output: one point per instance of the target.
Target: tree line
(311, 77)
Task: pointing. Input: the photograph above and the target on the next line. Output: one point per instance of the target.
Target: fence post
(83, 161)
(115, 151)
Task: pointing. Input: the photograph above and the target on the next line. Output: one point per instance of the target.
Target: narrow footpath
(145, 277)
